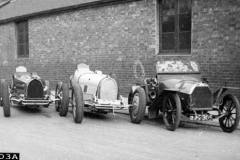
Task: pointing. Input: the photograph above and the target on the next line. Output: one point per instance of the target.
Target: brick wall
(216, 41)
(109, 38)
(116, 38)
(7, 50)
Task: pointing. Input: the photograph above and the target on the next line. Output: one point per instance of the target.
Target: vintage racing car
(89, 91)
(26, 89)
(178, 91)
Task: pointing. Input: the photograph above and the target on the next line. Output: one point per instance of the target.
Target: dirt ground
(43, 135)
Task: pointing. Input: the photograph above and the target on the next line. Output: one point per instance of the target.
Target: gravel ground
(42, 134)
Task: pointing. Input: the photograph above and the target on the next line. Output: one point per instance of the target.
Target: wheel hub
(135, 105)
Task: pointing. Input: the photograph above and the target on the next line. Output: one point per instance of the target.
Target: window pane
(185, 40)
(20, 50)
(168, 7)
(185, 22)
(184, 6)
(168, 24)
(26, 49)
(21, 26)
(168, 41)
(21, 38)
(26, 37)
(175, 29)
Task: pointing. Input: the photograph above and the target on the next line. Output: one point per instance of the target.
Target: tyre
(5, 98)
(77, 103)
(137, 110)
(47, 83)
(171, 111)
(230, 108)
(62, 93)
(58, 96)
(1, 86)
(130, 97)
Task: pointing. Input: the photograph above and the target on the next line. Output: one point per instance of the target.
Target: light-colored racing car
(89, 91)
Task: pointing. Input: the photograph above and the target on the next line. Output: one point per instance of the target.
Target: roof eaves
(88, 5)
(4, 3)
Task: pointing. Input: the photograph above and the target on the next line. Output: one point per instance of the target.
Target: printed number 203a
(9, 156)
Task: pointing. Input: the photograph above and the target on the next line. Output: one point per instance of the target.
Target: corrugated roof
(25, 8)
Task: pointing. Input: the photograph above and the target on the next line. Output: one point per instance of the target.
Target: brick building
(126, 37)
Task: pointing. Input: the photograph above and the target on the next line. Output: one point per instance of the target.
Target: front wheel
(171, 111)
(230, 108)
(77, 103)
(6, 102)
(138, 101)
(1, 91)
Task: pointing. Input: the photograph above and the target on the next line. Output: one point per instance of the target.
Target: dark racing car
(26, 89)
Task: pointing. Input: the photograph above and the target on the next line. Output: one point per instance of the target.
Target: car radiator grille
(202, 98)
(35, 89)
(108, 89)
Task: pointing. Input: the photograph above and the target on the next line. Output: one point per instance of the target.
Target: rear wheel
(77, 103)
(171, 111)
(62, 93)
(138, 101)
(6, 102)
(47, 83)
(230, 107)
(58, 96)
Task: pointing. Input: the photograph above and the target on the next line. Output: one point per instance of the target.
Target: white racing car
(89, 91)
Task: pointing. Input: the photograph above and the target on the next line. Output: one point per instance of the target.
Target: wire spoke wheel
(171, 111)
(230, 109)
